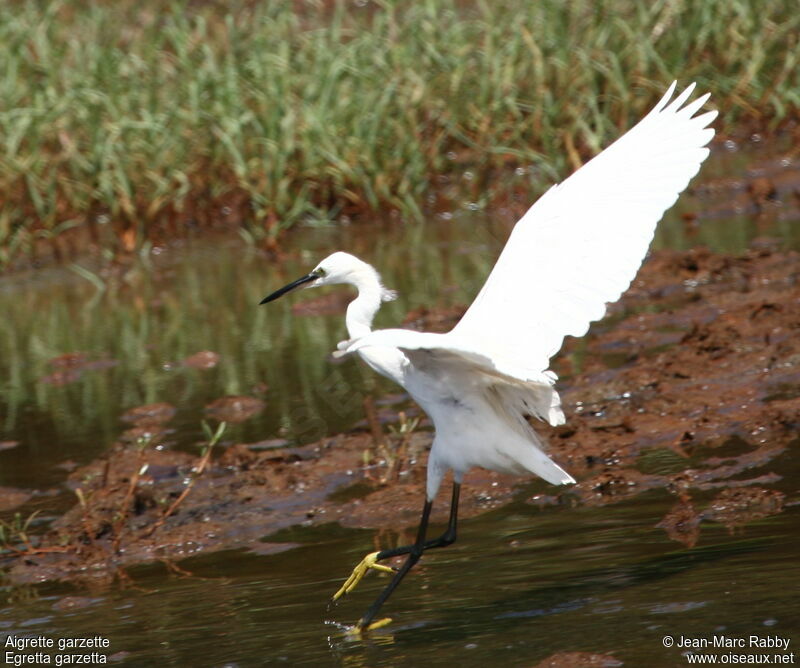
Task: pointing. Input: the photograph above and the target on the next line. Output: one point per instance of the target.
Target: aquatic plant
(212, 439)
(14, 533)
(138, 121)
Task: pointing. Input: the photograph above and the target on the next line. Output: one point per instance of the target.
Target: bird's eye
(319, 272)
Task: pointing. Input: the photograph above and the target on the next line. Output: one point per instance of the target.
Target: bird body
(477, 411)
(576, 249)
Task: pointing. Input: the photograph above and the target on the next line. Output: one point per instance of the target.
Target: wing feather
(580, 245)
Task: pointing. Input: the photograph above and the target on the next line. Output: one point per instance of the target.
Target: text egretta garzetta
(576, 249)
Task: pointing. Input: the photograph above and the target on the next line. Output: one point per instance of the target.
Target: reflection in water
(129, 342)
(206, 300)
(590, 579)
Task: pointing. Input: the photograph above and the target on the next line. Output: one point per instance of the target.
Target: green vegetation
(15, 533)
(152, 316)
(134, 120)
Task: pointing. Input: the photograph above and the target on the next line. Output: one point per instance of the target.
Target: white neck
(363, 308)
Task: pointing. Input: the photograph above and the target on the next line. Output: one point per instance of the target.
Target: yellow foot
(370, 561)
(379, 624)
(357, 630)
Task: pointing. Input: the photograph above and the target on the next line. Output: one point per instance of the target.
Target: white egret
(576, 249)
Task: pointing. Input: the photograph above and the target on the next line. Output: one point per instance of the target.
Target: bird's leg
(447, 538)
(414, 553)
(370, 561)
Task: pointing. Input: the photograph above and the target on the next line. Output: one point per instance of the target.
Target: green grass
(135, 121)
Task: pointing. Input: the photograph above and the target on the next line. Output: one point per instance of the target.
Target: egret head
(337, 268)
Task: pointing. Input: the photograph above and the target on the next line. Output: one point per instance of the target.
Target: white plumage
(576, 249)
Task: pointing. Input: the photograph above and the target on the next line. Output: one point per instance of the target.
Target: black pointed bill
(288, 288)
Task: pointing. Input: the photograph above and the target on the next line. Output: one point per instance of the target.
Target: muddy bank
(690, 385)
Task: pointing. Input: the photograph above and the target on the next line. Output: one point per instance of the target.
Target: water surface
(521, 583)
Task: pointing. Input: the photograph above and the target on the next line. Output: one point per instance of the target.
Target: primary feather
(580, 245)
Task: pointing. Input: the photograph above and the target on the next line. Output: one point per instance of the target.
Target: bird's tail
(536, 461)
(513, 402)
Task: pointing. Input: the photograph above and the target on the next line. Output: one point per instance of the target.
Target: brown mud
(690, 385)
(579, 660)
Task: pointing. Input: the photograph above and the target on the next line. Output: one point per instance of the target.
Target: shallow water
(521, 583)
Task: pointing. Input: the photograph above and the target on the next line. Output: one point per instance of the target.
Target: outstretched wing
(580, 245)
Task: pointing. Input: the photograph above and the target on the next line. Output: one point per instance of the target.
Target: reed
(141, 120)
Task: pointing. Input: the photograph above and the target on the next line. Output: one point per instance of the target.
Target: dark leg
(414, 553)
(447, 538)
(371, 560)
